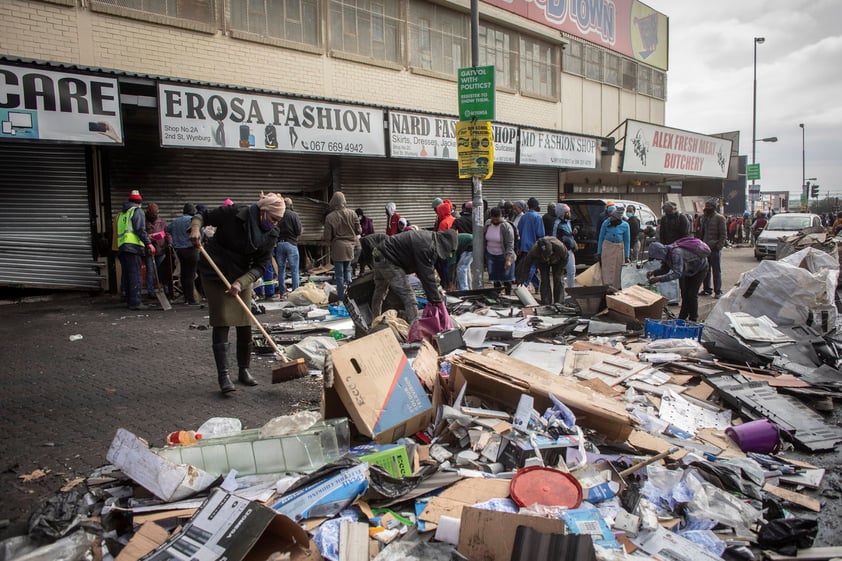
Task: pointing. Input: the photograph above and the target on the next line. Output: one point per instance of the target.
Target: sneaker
(705, 293)
(139, 307)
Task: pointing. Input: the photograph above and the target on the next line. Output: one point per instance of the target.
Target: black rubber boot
(244, 360)
(220, 355)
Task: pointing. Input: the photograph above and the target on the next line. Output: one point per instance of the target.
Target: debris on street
(600, 428)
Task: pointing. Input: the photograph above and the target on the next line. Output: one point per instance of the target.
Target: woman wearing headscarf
(613, 246)
(246, 236)
(342, 226)
(682, 264)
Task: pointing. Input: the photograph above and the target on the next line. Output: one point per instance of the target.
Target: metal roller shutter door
(170, 177)
(412, 185)
(45, 218)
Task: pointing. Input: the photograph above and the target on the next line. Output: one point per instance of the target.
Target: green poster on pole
(476, 93)
(752, 172)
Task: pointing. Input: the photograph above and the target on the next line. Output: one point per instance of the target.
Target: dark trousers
(388, 277)
(130, 279)
(715, 271)
(690, 295)
(188, 258)
(551, 283)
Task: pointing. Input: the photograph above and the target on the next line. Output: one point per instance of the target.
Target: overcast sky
(799, 80)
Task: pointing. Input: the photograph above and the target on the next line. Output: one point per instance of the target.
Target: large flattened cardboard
(164, 479)
(234, 529)
(379, 389)
(501, 379)
(486, 535)
(637, 302)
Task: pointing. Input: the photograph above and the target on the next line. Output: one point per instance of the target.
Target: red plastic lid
(546, 486)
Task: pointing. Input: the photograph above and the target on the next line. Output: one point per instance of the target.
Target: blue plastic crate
(673, 329)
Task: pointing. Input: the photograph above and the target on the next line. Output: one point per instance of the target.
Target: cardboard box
(146, 539)
(486, 535)
(391, 458)
(164, 479)
(499, 378)
(637, 302)
(232, 528)
(379, 389)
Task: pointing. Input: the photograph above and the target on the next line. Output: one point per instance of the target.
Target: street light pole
(804, 193)
(757, 41)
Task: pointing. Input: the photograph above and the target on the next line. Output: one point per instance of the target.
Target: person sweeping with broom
(246, 236)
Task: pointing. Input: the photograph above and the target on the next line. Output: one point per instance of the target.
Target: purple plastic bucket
(761, 436)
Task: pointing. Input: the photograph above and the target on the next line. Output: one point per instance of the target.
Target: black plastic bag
(788, 535)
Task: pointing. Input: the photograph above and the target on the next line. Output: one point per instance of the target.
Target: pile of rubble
(596, 430)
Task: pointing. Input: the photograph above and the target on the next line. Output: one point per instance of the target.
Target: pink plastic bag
(434, 319)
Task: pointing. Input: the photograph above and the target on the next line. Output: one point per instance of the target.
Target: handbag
(434, 319)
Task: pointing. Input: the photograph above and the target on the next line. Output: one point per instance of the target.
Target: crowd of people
(253, 244)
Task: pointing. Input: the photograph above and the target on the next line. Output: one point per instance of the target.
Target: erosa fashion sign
(40, 104)
(207, 118)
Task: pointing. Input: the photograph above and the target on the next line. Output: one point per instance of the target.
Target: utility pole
(478, 215)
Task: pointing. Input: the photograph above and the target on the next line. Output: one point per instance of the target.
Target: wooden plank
(353, 541)
(795, 498)
(703, 391)
(809, 554)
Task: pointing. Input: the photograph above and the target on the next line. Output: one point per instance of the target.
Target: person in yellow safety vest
(132, 244)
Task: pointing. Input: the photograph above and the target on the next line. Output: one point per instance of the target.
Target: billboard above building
(660, 150)
(628, 27)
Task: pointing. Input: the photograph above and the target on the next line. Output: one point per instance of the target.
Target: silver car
(781, 225)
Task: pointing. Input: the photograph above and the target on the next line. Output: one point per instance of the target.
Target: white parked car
(782, 225)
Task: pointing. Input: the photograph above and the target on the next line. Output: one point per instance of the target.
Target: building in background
(203, 100)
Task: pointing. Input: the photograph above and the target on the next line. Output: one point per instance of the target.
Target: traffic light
(814, 191)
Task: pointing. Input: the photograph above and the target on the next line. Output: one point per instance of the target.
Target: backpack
(694, 245)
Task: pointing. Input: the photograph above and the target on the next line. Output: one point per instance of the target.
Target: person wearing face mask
(245, 238)
(673, 225)
(563, 230)
(712, 231)
(613, 246)
(634, 232)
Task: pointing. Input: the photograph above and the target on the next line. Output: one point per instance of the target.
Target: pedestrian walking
(713, 231)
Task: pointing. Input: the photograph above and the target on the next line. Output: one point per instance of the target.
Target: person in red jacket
(444, 212)
(392, 219)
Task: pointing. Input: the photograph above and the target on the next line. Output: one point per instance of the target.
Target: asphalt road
(61, 400)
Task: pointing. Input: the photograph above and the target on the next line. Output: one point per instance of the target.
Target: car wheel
(758, 256)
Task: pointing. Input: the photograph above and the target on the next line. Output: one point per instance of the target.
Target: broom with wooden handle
(289, 369)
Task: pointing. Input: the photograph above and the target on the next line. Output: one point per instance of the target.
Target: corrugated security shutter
(412, 185)
(45, 219)
(171, 177)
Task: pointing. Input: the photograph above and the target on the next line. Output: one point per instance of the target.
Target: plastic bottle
(220, 426)
(183, 437)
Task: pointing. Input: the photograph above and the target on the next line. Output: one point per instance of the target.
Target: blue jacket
(615, 234)
(531, 227)
(179, 231)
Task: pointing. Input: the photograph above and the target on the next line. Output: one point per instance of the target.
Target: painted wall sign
(653, 149)
(38, 104)
(557, 149)
(415, 135)
(628, 27)
(208, 118)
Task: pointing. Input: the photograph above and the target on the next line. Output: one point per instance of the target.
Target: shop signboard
(193, 117)
(547, 148)
(661, 150)
(38, 104)
(432, 137)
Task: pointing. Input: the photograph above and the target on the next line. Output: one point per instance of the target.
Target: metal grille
(412, 185)
(171, 177)
(45, 221)
(201, 11)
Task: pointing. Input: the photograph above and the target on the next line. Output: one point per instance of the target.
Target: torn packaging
(500, 378)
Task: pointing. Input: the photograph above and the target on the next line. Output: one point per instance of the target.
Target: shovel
(159, 292)
(289, 369)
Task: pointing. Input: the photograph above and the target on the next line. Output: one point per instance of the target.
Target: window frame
(378, 52)
(505, 76)
(431, 34)
(286, 42)
(112, 8)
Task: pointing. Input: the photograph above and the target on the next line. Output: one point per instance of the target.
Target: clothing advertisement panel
(547, 148)
(209, 118)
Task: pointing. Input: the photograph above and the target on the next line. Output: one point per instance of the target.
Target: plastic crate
(673, 329)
